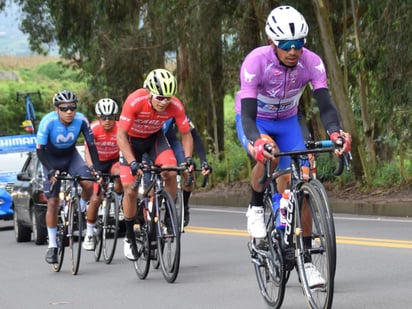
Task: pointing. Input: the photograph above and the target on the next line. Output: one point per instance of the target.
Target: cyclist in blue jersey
(56, 140)
(169, 128)
(272, 80)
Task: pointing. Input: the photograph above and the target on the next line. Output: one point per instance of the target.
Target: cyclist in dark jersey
(169, 128)
(56, 140)
(272, 80)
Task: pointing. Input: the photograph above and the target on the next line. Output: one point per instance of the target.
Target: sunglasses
(289, 44)
(67, 108)
(161, 98)
(110, 117)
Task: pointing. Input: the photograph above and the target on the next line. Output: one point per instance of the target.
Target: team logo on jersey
(320, 67)
(61, 138)
(248, 76)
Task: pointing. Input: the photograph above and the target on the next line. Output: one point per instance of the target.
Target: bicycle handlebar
(311, 148)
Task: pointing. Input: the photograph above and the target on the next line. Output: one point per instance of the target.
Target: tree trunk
(339, 93)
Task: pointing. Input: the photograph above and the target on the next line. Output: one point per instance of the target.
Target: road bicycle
(157, 228)
(29, 107)
(108, 220)
(281, 251)
(180, 209)
(70, 224)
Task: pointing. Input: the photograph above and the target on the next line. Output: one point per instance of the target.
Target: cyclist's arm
(89, 138)
(187, 143)
(124, 145)
(198, 145)
(41, 154)
(248, 114)
(328, 113)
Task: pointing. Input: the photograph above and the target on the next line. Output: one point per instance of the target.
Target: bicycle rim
(268, 263)
(320, 254)
(329, 216)
(98, 238)
(75, 235)
(142, 265)
(180, 212)
(110, 227)
(168, 237)
(61, 241)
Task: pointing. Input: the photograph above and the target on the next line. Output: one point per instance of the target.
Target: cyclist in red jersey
(105, 137)
(140, 132)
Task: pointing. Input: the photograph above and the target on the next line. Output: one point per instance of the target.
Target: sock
(52, 231)
(257, 198)
(129, 228)
(83, 204)
(90, 228)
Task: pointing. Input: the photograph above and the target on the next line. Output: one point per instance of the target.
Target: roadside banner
(17, 143)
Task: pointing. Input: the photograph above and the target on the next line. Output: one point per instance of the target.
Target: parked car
(30, 202)
(10, 165)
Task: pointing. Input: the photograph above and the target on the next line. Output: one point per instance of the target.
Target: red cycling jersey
(105, 141)
(140, 120)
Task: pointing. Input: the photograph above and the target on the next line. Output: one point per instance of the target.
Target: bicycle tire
(142, 265)
(269, 267)
(61, 244)
(329, 215)
(320, 254)
(75, 234)
(98, 238)
(168, 237)
(180, 211)
(110, 227)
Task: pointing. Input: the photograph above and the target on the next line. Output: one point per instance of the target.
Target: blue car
(10, 166)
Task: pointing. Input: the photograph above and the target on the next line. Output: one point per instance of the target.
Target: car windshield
(12, 161)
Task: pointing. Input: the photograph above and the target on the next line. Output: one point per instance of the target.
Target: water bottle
(276, 210)
(284, 204)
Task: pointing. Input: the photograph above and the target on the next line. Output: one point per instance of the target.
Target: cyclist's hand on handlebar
(52, 174)
(188, 163)
(135, 168)
(206, 168)
(342, 140)
(260, 149)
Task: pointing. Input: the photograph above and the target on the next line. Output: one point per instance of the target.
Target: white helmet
(286, 23)
(106, 107)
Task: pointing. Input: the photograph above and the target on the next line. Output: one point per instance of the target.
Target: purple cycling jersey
(276, 87)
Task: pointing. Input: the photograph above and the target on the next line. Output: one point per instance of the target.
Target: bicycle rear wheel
(61, 243)
(75, 234)
(110, 227)
(168, 237)
(268, 262)
(318, 257)
(329, 216)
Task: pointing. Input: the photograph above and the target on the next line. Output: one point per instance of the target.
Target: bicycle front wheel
(180, 211)
(168, 237)
(315, 260)
(75, 234)
(110, 227)
(98, 237)
(61, 243)
(142, 265)
(268, 262)
(329, 217)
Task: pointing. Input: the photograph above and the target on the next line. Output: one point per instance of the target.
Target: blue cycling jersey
(52, 132)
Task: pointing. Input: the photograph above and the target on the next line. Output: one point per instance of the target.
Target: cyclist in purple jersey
(56, 149)
(272, 80)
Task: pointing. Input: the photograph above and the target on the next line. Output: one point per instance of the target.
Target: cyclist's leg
(78, 167)
(163, 154)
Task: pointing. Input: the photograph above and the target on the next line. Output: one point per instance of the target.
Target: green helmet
(161, 82)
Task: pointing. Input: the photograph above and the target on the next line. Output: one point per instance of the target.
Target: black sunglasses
(67, 108)
(110, 117)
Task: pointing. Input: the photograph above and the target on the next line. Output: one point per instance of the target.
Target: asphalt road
(373, 271)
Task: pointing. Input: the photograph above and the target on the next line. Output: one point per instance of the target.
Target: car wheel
(39, 232)
(22, 233)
